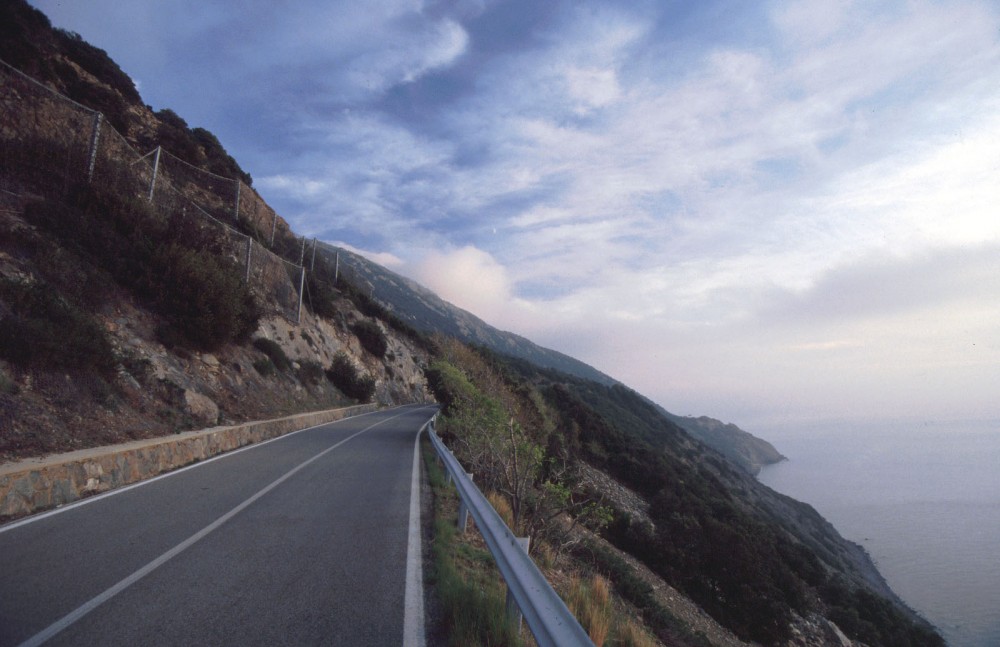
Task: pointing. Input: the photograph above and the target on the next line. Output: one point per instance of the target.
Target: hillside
(766, 567)
(133, 303)
(741, 447)
(141, 295)
(427, 312)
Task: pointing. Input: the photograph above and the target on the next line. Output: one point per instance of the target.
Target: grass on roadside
(472, 593)
(467, 583)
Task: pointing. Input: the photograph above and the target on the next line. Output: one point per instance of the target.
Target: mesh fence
(45, 138)
(50, 144)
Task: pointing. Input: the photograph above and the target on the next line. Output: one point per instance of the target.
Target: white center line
(125, 488)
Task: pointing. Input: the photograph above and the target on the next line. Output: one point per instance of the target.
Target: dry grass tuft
(501, 505)
(590, 602)
(631, 634)
(545, 556)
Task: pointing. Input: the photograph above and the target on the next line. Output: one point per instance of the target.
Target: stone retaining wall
(40, 483)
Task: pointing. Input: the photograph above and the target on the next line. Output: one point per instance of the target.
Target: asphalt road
(299, 541)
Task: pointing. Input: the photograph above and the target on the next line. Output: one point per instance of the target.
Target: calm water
(924, 500)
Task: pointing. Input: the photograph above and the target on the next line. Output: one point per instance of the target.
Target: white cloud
(470, 279)
(447, 41)
(296, 187)
(592, 87)
(384, 259)
(796, 218)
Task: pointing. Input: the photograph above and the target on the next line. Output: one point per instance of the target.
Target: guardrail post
(513, 612)
(463, 510)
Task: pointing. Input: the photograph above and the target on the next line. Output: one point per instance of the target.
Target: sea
(923, 498)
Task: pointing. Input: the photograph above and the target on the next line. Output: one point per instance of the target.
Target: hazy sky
(765, 212)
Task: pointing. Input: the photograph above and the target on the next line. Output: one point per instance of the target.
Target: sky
(771, 213)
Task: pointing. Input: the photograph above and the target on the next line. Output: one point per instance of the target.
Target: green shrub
(8, 385)
(322, 296)
(371, 337)
(274, 353)
(173, 264)
(208, 304)
(264, 366)
(345, 377)
(98, 63)
(217, 160)
(310, 372)
(44, 330)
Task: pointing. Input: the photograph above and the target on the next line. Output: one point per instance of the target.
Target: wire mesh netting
(50, 144)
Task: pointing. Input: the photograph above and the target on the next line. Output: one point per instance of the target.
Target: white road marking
(110, 493)
(81, 611)
(413, 601)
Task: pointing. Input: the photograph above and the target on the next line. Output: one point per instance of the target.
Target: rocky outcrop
(816, 630)
(201, 408)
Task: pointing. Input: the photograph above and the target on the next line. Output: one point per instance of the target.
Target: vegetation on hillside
(198, 147)
(38, 328)
(352, 382)
(523, 430)
(171, 263)
(90, 77)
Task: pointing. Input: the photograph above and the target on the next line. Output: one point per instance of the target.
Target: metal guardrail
(547, 616)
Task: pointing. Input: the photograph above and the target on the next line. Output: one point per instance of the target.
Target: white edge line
(413, 600)
(85, 608)
(66, 507)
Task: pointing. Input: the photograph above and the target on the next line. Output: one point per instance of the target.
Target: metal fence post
(302, 285)
(94, 139)
(156, 167)
(236, 213)
(249, 247)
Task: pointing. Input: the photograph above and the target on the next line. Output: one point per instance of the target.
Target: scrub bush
(345, 377)
(371, 337)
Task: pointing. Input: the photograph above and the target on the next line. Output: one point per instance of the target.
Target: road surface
(299, 541)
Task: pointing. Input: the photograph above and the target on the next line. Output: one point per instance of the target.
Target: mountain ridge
(426, 311)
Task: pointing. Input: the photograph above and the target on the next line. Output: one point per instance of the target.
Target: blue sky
(769, 212)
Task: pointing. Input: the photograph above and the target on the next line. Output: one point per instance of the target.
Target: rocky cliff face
(95, 276)
(155, 390)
